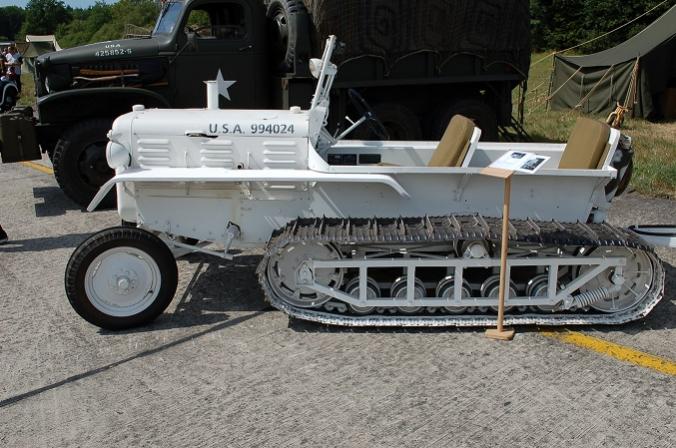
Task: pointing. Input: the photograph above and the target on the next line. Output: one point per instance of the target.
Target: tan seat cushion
(587, 146)
(453, 147)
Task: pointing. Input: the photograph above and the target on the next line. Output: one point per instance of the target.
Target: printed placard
(524, 162)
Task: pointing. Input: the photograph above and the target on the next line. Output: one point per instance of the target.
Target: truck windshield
(166, 22)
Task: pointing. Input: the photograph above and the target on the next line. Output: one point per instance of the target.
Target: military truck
(417, 63)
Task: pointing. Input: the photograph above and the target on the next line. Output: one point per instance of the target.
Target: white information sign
(524, 162)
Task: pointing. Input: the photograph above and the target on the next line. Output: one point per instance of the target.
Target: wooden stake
(501, 332)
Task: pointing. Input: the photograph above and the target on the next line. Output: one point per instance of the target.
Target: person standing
(14, 59)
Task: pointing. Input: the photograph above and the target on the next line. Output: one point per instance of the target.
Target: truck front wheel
(472, 108)
(400, 122)
(79, 159)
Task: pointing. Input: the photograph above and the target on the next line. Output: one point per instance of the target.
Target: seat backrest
(587, 147)
(455, 143)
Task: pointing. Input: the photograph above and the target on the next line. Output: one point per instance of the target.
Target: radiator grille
(154, 152)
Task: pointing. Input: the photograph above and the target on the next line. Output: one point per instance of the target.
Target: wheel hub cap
(122, 281)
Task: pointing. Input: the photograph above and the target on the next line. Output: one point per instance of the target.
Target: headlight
(315, 67)
(117, 155)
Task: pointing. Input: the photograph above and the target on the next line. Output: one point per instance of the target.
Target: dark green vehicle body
(265, 46)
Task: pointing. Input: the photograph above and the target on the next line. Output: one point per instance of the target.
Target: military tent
(34, 47)
(639, 73)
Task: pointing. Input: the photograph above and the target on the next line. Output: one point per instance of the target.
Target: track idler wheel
(634, 279)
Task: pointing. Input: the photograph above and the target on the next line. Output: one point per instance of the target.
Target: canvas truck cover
(497, 31)
(36, 46)
(595, 83)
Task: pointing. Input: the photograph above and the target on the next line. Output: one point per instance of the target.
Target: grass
(27, 97)
(654, 143)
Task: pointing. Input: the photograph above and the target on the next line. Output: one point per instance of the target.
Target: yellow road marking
(613, 350)
(38, 167)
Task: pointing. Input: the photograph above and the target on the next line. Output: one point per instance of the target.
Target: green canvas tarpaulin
(494, 30)
(595, 83)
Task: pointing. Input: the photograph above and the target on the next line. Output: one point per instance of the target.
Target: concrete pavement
(220, 368)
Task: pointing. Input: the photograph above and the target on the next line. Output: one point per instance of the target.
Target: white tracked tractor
(388, 233)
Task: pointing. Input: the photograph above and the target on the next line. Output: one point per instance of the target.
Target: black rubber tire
(623, 184)
(472, 108)
(67, 161)
(111, 238)
(283, 46)
(400, 121)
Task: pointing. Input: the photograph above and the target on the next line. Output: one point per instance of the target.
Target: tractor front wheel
(121, 278)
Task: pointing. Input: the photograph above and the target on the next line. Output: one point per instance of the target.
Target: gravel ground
(221, 369)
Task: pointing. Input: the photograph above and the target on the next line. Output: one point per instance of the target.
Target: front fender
(222, 175)
(72, 105)
(8, 88)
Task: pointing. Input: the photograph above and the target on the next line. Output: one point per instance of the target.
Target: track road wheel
(121, 278)
(446, 289)
(80, 165)
(399, 291)
(491, 289)
(372, 292)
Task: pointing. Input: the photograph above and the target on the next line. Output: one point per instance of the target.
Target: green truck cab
(416, 67)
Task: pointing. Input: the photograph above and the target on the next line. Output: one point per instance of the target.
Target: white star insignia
(224, 85)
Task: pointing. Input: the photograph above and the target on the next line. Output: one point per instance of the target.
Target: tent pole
(551, 80)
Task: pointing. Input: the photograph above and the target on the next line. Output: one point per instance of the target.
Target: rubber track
(445, 229)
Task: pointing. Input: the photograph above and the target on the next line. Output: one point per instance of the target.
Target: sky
(73, 3)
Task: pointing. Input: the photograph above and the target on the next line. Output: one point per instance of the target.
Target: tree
(141, 13)
(11, 18)
(102, 21)
(84, 25)
(44, 16)
(559, 24)
(598, 21)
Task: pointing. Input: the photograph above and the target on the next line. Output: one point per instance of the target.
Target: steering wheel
(197, 29)
(363, 109)
(229, 31)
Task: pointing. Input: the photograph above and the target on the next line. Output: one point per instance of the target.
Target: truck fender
(71, 105)
(6, 90)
